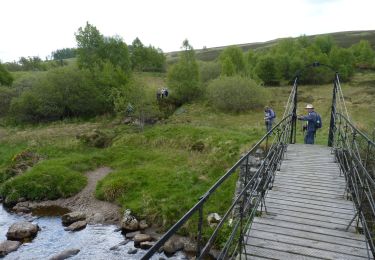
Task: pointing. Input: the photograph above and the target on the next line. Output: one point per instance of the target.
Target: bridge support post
(293, 131)
(333, 113)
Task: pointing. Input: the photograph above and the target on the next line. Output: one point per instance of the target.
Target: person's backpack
(272, 114)
(318, 121)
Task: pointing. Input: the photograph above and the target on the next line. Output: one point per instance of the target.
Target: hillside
(343, 39)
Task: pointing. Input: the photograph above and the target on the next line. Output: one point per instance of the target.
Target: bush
(209, 71)
(60, 93)
(6, 95)
(236, 94)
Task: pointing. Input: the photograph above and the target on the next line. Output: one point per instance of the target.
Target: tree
(235, 55)
(363, 54)
(266, 70)
(5, 77)
(65, 53)
(90, 46)
(183, 77)
(342, 60)
(116, 52)
(32, 63)
(324, 43)
(227, 67)
(146, 58)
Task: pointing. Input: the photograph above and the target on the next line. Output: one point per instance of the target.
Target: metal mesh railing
(227, 235)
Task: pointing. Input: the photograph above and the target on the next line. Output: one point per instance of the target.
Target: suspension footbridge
(294, 201)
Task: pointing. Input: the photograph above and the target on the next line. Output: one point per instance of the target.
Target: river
(94, 241)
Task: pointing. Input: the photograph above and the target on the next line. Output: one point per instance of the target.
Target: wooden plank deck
(306, 212)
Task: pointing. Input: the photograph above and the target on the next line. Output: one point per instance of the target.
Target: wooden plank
(310, 206)
(302, 250)
(253, 252)
(311, 197)
(316, 234)
(337, 225)
(274, 223)
(304, 185)
(291, 211)
(317, 191)
(312, 201)
(301, 193)
(318, 243)
(294, 179)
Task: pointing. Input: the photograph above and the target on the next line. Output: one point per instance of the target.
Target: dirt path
(85, 201)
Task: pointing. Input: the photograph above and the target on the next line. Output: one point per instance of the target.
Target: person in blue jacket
(311, 118)
(269, 116)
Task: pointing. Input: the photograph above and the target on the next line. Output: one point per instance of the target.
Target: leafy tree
(90, 46)
(235, 55)
(5, 77)
(342, 60)
(32, 63)
(183, 77)
(227, 67)
(65, 53)
(117, 53)
(146, 58)
(267, 70)
(324, 43)
(138, 54)
(363, 54)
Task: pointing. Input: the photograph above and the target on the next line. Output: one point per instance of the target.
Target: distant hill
(343, 39)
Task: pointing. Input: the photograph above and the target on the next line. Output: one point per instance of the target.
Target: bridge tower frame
(333, 103)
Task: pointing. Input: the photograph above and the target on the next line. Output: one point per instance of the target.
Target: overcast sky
(38, 27)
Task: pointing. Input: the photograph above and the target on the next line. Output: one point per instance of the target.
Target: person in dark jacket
(269, 116)
(311, 118)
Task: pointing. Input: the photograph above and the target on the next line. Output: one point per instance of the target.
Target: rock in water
(65, 254)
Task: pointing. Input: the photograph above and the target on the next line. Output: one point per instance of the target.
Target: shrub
(209, 71)
(6, 95)
(236, 94)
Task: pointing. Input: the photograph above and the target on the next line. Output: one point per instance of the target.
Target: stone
(65, 254)
(146, 244)
(129, 222)
(132, 234)
(139, 238)
(8, 246)
(22, 230)
(98, 218)
(143, 224)
(76, 226)
(213, 219)
(132, 251)
(72, 217)
(173, 245)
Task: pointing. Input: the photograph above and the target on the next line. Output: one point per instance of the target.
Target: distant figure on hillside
(269, 116)
(311, 118)
(164, 92)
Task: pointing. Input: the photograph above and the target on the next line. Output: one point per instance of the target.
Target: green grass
(156, 172)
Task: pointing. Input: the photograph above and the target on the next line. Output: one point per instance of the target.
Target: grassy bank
(161, 171)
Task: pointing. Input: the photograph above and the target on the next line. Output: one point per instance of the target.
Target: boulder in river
(65, 254)
(8, 246)
(21, 231)
(72, 217)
